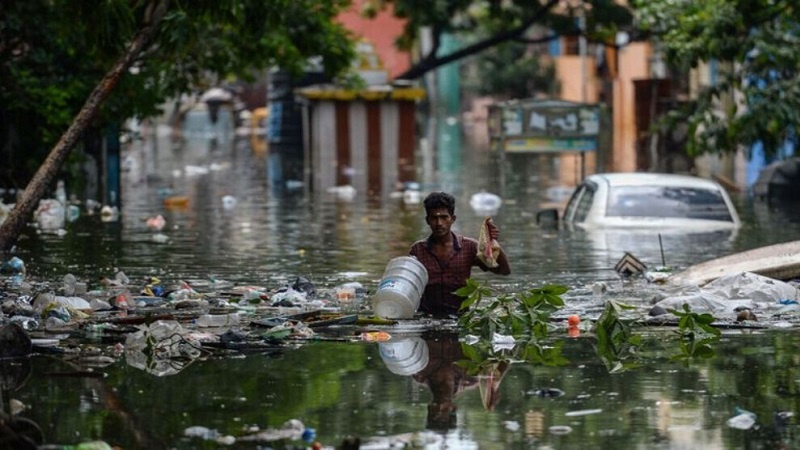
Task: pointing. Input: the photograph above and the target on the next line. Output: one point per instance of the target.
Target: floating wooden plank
(313, 319)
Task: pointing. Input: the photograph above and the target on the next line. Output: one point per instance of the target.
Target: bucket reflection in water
(400, 289)
(404, 356)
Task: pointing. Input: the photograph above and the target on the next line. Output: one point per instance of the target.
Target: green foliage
(694, 324)
(526, 313)
(54, 52)
(469, 17)
(486, 24)
(525, 316)
(616, 342)
(510, 71)
(482, 357)
(754, 46)
(695, 334)
(351, 81)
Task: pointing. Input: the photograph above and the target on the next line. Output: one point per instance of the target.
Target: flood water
(270, 236)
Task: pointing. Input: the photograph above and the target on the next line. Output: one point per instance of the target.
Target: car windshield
(673, 202)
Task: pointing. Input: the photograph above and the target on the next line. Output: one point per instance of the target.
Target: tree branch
(37, 187)
(431, 61)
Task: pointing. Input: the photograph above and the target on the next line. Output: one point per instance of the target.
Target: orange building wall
(381, 32)
(634, 64)
(569, 72)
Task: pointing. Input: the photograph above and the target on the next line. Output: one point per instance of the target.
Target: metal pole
(584, 74)
(582, 52)
(308, 153)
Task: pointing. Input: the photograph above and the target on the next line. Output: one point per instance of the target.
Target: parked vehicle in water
(650, 201)
(779, 181)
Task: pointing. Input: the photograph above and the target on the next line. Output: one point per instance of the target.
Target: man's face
(440, 220)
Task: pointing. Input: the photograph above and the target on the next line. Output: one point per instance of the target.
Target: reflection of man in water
(444, 378)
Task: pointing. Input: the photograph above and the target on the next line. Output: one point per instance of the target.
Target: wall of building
(572, 71)
(578, 81)
(633, 63)
(381, 32)
(366, 144)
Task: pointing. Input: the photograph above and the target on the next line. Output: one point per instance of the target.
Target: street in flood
(210, 256)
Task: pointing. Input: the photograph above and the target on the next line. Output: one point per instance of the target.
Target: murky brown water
(273, 235)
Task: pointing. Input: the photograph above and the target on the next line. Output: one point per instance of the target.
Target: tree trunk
(43, 178)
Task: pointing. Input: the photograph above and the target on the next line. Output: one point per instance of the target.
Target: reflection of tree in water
(16, 432)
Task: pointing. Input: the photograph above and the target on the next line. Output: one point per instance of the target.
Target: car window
(569, 211)
(675, 202)
(580, 203)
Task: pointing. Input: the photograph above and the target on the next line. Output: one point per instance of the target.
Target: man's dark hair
(436, 200)
(441, 418)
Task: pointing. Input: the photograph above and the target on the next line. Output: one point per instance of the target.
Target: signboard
(512, 122)
(583, 121)
(544, 126)
(547, 145)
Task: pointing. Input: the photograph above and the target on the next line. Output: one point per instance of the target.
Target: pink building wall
(381, 32)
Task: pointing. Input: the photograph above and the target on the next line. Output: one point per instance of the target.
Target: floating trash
(485, 203)
(743, 421)
(583, 412)
(156, 223)
(162, 348)
(109, 213)
(201, 432)
(559, 430)
(13, 266)
(228, 201)
(629, 265)
(547, 392)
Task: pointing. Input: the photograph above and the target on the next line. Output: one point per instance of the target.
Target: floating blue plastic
(309, 434)
(13, 266)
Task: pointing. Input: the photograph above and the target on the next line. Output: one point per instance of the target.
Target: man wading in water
(449, 257)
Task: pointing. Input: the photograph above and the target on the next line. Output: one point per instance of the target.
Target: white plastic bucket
(404, 356)
(400, 289)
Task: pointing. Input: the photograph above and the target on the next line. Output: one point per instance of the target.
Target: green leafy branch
(523, 314)
(526, 316)
(616, 342)
(695, 334)
(526, 313)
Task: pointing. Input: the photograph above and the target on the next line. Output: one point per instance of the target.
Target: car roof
(652, 179)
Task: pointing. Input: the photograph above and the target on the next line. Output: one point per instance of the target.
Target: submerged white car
(652, 201)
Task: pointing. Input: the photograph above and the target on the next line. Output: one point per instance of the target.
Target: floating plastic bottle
(400, 289)
(217, 320)
(61, 192)
(69, 284)
(27, 323)
(73, 213)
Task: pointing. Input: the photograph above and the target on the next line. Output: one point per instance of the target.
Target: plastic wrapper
(162, 348)
(488, 248)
